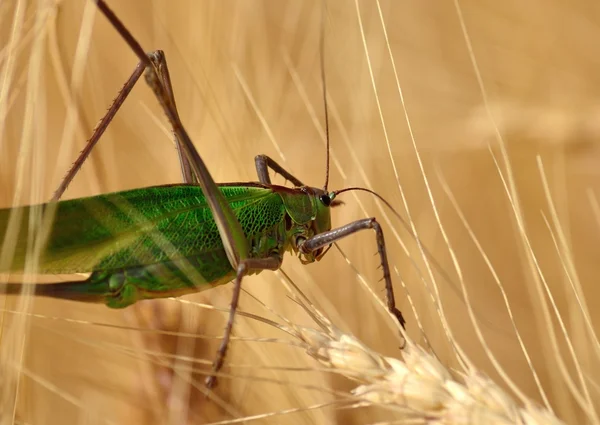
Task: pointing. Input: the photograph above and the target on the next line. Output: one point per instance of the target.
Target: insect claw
(401, 320)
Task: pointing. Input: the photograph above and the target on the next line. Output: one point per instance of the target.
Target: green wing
(140, 227)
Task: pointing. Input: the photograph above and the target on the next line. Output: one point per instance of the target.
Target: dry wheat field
(478, 120)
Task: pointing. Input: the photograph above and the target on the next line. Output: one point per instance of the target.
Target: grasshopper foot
(398, 314)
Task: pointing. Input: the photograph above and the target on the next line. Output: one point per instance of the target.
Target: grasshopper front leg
(327, 238)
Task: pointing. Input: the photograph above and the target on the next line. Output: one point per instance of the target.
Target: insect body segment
(162, 241)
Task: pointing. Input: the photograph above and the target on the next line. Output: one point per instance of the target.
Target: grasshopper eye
(325, 199)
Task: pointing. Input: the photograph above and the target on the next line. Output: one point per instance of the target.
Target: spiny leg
(264, 162)
(160, 63)
(270, 263)
(99, 130)
(327, 238)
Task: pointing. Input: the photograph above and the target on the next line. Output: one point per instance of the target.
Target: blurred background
(476, 120)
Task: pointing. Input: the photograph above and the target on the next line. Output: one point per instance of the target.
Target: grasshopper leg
(269, 263)
(264, 162)
(99, 130)
(327, 238)
(159, 61)
(232, 235)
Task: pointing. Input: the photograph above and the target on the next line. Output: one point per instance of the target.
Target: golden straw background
(479, 79)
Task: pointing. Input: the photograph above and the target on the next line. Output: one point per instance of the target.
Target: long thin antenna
(324, 82)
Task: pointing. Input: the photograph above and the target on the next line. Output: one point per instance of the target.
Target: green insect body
(162, 241)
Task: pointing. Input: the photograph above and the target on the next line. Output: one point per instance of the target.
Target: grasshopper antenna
(324, 83)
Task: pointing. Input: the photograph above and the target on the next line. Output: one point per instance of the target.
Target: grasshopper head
(321, 222)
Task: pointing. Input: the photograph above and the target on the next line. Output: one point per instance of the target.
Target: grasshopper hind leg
(95, 289)
(194, 170)
(117, 288)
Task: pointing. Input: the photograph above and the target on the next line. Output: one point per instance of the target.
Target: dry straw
(417, 387)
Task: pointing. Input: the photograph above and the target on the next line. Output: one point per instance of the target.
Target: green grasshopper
(171, 240)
